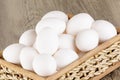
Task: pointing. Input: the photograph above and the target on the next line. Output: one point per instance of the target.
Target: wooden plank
(16, 16)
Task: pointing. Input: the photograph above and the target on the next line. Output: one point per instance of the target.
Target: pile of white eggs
(55, 41)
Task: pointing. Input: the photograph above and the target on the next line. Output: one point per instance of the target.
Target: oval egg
(28, 37)
(64, 57)
(12, 53)
(56, 24)
(87, 40)
(27, 55)
(67, 41)
(44, 65)
(47, 41)
(105, 29)
(78, 23)
(56, 14)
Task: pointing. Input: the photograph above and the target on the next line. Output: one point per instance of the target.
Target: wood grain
(16, 16)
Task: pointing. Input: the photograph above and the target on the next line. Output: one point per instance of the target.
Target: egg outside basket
(92, 66)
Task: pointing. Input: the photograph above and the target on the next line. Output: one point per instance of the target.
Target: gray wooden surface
(16, 16)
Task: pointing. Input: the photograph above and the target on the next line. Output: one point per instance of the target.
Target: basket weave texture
(8, 74)
(92, 67)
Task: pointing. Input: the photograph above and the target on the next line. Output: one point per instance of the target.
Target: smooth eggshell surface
(57, 25)
(47, 41)
(64, 57)
(56, 14)
(87, 40)
(105, 29)
(67, 41)
(79, 22)
(12, 53)
(26, 57)
(28, 37)
(44, 65)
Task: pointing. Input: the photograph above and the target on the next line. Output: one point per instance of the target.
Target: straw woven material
(8, 74)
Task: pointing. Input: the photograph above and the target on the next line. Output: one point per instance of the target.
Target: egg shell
(27, 55)
(28, 37)
(79, 22)
(44, 65)
(87, 40)
(64, 57)
(47, 41)
(67, 41)
(105, 29)
(56, 14)
(34, 45)
(12, 53)
(58, 25)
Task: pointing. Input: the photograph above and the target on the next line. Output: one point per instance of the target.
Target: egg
(105, 29)
(47, 41)
(28, 37)
(12, 52)
(56, 14)
(79, 22)
(44, 65)
(57, 25)
(34, 45)
(87, 40)
(27, 55)
(67, 41)
(64, 57)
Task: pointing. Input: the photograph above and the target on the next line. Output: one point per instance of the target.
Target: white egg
(12, 52)
(26, 57)
(56, 14)
(44, 65)
(79, 22)
(87, 40)
(47, 41)
(34, 45)
(64, 57)
(67, 41)
(105, 29)
(54, 23)
(28, 37)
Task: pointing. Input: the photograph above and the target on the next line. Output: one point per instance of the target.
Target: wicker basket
(92, 66)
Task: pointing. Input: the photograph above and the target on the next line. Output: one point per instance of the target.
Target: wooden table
(16, 16)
